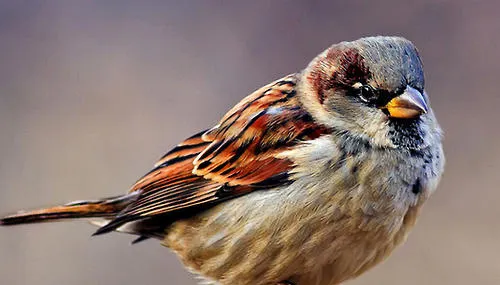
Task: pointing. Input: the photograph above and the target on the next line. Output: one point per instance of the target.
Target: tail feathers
(105, 208)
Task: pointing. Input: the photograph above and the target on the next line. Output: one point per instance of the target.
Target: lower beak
(408, 105)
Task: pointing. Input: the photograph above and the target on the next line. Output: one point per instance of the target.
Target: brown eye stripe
(339, 67)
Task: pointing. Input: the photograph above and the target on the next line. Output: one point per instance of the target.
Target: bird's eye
(367, 94)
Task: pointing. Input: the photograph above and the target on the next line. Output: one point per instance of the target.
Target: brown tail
(105, 208)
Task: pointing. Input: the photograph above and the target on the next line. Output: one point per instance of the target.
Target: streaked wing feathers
(237, 156)
(244, 145)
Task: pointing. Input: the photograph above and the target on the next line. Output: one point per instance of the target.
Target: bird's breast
(341, 216)
(269, 236)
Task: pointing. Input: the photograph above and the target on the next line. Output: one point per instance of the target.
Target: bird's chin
(407, 133)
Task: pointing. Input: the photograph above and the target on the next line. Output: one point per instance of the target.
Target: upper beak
(408, 105)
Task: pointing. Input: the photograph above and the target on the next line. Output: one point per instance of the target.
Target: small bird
(310, 180)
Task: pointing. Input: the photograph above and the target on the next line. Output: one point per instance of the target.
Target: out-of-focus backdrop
(93, 92)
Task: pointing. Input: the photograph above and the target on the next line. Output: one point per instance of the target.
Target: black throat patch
(406, 133)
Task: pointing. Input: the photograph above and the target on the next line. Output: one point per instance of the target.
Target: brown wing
(237, 156)
(244, 145)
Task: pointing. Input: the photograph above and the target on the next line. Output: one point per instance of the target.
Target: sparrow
(310, 180)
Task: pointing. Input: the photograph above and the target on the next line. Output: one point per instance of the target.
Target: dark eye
(367, 94)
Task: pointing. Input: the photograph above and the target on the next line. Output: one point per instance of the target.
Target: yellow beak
(408, 105)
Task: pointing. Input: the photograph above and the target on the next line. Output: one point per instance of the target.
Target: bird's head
(372, 88)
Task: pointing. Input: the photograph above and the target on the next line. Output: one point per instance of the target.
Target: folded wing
(236, 157)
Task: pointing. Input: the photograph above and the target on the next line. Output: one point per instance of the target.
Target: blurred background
(93, 92)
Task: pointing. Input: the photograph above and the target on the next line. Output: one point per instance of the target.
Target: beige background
(92, 92)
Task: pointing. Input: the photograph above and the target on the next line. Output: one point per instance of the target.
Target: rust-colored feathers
(104, 208)
(237, 156)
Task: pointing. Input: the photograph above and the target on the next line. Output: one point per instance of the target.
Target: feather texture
(238, 156)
